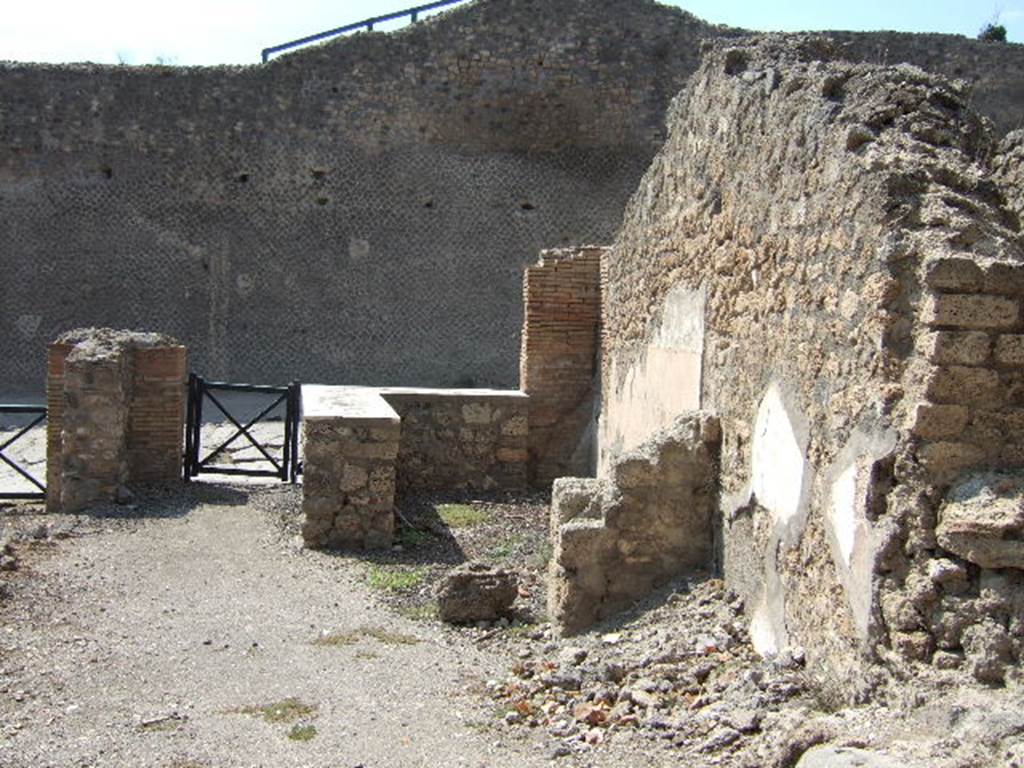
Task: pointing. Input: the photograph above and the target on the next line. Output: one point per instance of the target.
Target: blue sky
(234, 31)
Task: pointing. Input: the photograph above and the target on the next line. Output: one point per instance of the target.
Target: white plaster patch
(777, 460)
(662, 383)
(682, 320)
(842, 512)
(762, 631)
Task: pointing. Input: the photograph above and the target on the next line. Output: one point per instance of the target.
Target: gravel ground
(151, 639)
(190, 629)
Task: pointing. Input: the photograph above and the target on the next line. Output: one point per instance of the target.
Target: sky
(235, 31)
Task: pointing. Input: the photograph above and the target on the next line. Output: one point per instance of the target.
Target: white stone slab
(362, 404)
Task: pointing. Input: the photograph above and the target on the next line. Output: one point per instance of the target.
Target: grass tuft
(396, 579)
(353, 636)
(461, 515)
(285, 711)
(302, 732)
(425, 612)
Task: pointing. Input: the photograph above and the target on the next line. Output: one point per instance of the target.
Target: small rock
(612, 672)
(720, 738)
(745, 720)
(642, 698)
(566, 680)
(591, 714)
(476, 592)
(573, 655)
(612, 638)
(846, 757)
(560, 751)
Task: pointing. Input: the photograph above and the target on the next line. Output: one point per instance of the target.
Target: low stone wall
(361, 444)
(348, 486)
(116, 418)
(649, 519)
(460, 438)
(558, 362)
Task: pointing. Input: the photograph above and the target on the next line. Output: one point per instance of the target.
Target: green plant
(507, 547)
(424, 612)
(396, 579)
(993, 33)
(410, 538)
(351, 637)
(302, 732)
(461, 515)
(285, 711)
(542, 556)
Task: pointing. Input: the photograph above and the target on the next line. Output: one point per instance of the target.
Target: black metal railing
(285, 465)
(39, 412)
(412, 13)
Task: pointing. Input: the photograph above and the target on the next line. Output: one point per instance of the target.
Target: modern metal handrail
(413, 13)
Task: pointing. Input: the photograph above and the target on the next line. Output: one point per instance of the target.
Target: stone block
(1010, 350)
(962, 384)
(982, 520)
(954, 274)
(972, 311)
(939, 422)
(945, 460)
(957, 347)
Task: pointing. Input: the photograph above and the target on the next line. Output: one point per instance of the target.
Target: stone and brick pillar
(116, 415)
(558, 364)
(348, 484)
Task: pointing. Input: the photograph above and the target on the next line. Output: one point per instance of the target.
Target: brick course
(559, 359)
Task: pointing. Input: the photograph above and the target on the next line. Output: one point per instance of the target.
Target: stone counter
(361, 443)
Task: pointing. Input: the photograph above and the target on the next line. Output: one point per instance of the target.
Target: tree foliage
(993, 32)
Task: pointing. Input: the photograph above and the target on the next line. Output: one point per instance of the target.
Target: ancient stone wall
(558, 361)
(350, 442)
(358, 211)
(649, 519)
(778, 263)
(460, 439)
(116, 415)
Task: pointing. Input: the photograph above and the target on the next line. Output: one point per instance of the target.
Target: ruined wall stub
(649, 519)
(116, 415)
(854, 272)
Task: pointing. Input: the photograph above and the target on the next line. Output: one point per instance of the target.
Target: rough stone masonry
(826, 256)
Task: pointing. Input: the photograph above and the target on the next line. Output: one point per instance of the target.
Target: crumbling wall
(558, 361)
(1008, 170)
(781, 253)
(649, 519)
(116, 416)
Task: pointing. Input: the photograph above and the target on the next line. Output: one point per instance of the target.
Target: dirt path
(145, 642)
